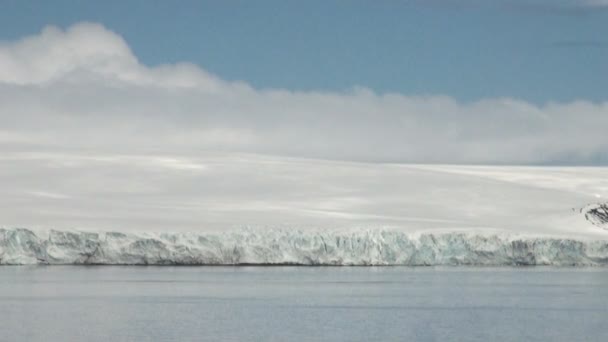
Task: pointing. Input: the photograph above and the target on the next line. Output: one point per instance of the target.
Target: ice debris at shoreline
(284, 247)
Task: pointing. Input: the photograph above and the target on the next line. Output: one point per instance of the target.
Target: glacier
(122, 209)
(19, 246)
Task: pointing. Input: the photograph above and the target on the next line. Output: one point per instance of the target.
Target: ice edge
(377, 247)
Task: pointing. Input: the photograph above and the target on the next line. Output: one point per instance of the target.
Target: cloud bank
(83, 89)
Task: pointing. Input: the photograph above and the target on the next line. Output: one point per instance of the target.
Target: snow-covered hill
(229, 208)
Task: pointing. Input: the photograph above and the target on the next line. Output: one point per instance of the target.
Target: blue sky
(457, 82)
(537, 51)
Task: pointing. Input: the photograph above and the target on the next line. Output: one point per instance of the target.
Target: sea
(281, 303)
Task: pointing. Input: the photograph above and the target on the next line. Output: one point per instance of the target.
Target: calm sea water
(302, 304)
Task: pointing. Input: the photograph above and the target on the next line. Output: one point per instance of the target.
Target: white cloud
(83, 89)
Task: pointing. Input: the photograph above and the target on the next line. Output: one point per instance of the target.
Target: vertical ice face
(292, 247)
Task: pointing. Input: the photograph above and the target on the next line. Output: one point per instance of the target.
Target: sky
(537, 51)
(459, 82)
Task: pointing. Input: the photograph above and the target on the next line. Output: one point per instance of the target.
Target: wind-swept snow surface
(235, 209)
(215, 192)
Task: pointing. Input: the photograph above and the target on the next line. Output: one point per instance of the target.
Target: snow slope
(235, 208)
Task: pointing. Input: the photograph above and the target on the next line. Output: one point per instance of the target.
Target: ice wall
(361, 247)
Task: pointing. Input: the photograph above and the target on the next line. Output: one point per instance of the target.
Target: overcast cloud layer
(83, 89)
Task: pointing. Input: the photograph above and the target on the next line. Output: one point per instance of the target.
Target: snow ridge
(285, 247)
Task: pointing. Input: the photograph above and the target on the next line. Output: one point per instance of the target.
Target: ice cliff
(362, 247)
